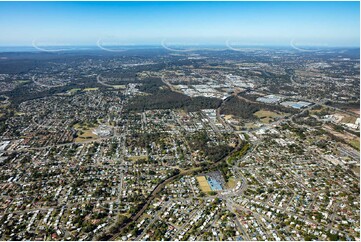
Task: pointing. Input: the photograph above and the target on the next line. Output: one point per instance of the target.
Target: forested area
(201, 141)
(243, 109)
(160, 97)
(342, 105)
(239, 108)
(166, 99)
(25, 92)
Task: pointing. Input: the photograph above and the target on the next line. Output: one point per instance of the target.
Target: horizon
(188, 48)
(203, 23)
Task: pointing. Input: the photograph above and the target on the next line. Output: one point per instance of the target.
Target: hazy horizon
(186, 23)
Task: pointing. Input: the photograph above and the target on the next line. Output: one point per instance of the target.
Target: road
(45, 85)
(161, 185)
(101, 82)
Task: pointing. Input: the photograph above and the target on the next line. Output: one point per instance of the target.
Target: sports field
(203, 184)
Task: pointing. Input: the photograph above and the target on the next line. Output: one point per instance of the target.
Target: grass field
(23, 81)
(203, 184)
(84, 133)
(119, 86)
(355, 143)
(268, 116)
(231, 183)
(90, 89)
(250, 125)
(74, 90)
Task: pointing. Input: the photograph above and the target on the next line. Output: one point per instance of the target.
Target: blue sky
(259, 23)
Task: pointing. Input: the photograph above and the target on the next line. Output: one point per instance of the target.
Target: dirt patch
(348, 119)
(355, 111)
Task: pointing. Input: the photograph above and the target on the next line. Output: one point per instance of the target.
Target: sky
(179, 23)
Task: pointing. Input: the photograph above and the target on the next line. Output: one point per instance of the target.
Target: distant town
(154, 144)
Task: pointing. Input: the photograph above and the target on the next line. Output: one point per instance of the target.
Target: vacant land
(354, 110)
(352, 139)
(348, 119)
